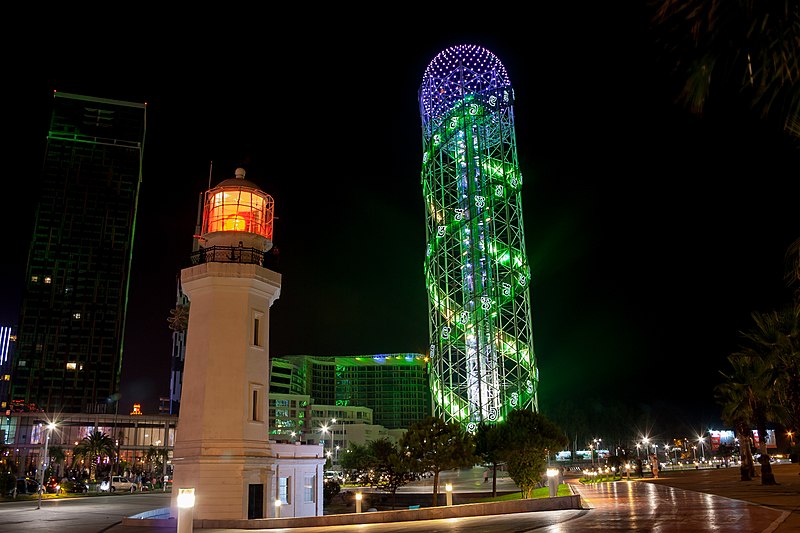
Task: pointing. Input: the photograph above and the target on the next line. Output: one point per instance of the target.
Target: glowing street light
(50, 427)
(702, 442)
(185, 501)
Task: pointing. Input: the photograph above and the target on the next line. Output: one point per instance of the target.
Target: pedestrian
(654, 465)
(486, 475)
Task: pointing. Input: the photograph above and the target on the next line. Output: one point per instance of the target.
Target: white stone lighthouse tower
(222, 448)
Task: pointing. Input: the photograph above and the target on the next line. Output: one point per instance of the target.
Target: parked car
(74, 486)
(26, 485)
(117, 484)
(53, 486)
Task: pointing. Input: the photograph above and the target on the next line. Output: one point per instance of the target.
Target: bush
(7, 483)
(330, 488)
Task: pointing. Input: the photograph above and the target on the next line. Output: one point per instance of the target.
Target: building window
(48, 280)
(72, 365)
(283, 490)
(76, 315)
(35, 279)
(258, 324)
(256, 397)
(309, 483)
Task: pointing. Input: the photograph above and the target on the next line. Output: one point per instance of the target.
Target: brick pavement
(726, 482)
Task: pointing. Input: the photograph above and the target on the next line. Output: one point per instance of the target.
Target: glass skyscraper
(72, 319)
(476, 270)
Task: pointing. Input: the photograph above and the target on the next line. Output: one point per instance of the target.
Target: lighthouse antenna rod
(210, 167)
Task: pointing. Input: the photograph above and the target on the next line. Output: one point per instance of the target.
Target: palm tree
(775, 339)
(792, 276)
(754, 379)
(731, 395)
(93, 448)
(737, 47)
(57, 456)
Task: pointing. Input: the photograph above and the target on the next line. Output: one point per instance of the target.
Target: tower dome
(237, 214)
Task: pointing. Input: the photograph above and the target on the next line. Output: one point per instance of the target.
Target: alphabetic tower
(476, 270)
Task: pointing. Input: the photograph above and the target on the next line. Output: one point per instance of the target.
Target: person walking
(654, 465)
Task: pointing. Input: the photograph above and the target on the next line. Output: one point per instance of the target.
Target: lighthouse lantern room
(236, 213)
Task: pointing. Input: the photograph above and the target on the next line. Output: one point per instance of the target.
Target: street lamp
(185, 501)
(637, 450)
(50, 427)
(702, 442)
(333, 436)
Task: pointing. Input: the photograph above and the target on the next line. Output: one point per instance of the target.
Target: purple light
(462, 70)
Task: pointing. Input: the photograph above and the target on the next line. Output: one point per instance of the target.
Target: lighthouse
(222, 448)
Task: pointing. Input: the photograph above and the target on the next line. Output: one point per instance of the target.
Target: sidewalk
(726, 482)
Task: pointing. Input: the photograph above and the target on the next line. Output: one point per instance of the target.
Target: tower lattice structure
(477, 274)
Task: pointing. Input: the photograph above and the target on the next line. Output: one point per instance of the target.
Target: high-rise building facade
(476, 269)
(72, 317)
(8, 339)
(395, 386)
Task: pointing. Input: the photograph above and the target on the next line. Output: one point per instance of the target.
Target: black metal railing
(228, 254)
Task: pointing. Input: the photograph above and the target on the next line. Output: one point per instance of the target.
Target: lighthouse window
(258, 320)
(256, 411)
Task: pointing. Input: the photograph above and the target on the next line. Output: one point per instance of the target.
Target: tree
(740, 47)
(93, 448)
(434, 445)
(792, 275)
(356, 462)
(488, 446)
(750, 396)
(773, 356)
(330, 488)
(527, 438)
(390, 469)
(57, 456)
(155, 458)
(735, 413)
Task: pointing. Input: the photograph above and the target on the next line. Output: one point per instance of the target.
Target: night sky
(652, 233)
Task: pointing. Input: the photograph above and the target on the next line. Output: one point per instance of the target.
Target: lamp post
(552, 482)
(333, 437)
(185, 503)
(637, 450)
(449, 489)
(50, 427)
(359, 496)
(702, 442)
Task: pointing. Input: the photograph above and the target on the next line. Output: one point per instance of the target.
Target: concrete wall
(425, 513)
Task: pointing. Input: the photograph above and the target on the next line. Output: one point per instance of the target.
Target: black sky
(652, 234)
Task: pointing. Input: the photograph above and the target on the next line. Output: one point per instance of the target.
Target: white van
(118, 483)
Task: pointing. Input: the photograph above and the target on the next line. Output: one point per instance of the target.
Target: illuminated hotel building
(476, 270)
(395, 386)
(7, 340)
(72, 318)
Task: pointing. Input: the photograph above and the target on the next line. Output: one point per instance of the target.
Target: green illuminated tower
(476, 271)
